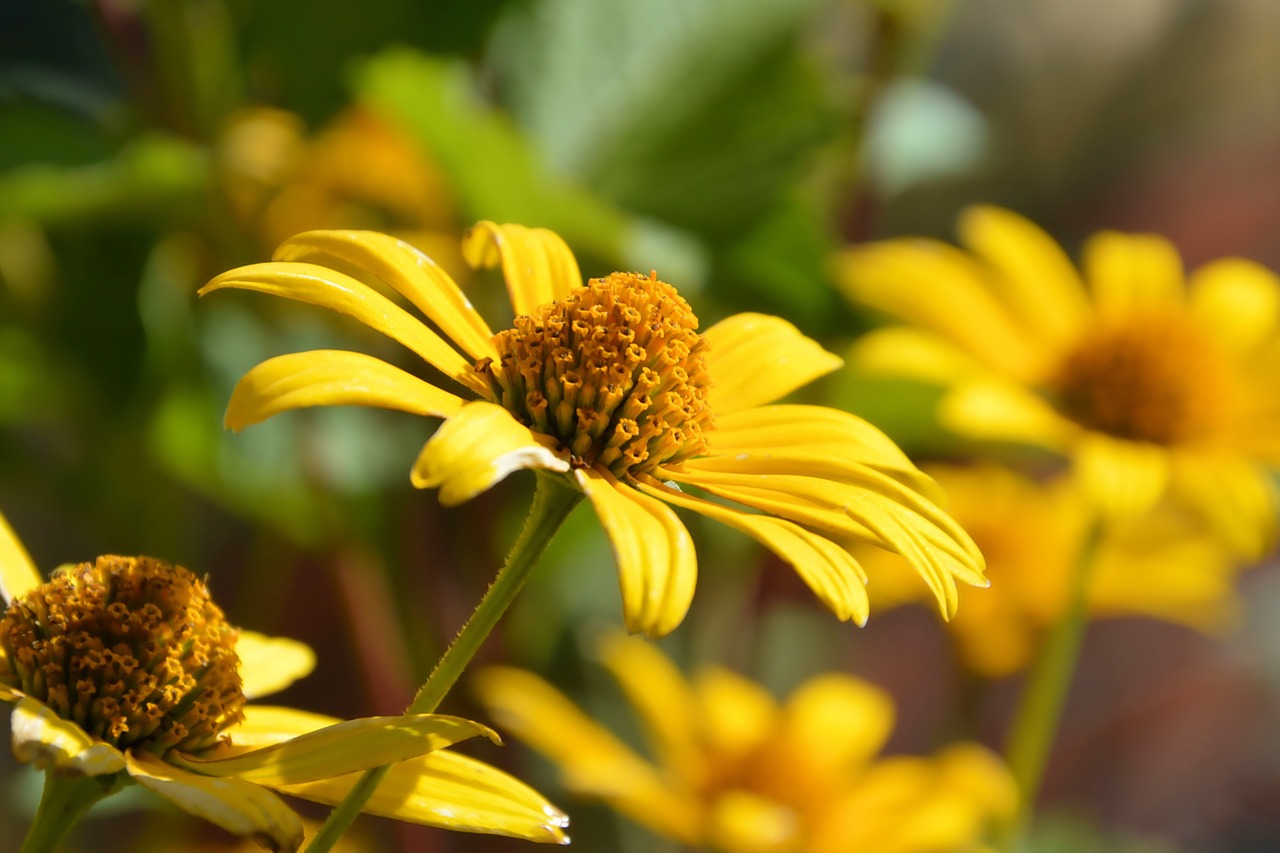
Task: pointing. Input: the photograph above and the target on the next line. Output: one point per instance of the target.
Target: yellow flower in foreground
(736, 772)
(1150, 385)
(124, 671)
(1162, 565)
(611, 385)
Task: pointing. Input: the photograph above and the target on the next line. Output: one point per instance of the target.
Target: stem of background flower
(1035, 723)
(65, 800)
(553, 500)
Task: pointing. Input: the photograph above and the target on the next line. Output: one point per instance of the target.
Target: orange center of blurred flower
(616, 373)
(1153, 378)
(130, 649)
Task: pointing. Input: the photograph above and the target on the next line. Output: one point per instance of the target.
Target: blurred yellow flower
(1152, 386)
(611, 385)
(124, 671)
(1163, 565)
(735, 772)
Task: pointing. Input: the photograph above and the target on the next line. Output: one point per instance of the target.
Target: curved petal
(1239, 499)
(241, 808)
(830, 571)
(536, 264)
(591, 759)
(745, 821)
(347, 747)
(270, 664)
(476, 448)
(1124, 479)
(43, 738)
(18, 573)
(1002, 411)
(1238, 302)
(332, 378)
(754, 359)
(1030, 270)
(909, 353)
(832, 726)
(409, 271)
(657, 569)
(740, 716)
(1132, 272)
(339, 292)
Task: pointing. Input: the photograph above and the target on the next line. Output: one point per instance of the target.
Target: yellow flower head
(736, 772)
(1162, 565)
(124, 671)
(1152, 385)
(612, 385)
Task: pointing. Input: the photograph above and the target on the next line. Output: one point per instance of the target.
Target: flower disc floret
(130, 649)
(616, 373)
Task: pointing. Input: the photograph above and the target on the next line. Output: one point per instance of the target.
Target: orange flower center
(616, 373)
(1153, 378)
(130, 649)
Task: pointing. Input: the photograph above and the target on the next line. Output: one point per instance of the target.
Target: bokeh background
(732, 145)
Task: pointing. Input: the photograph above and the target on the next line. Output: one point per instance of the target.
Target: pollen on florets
(130, 649)
(616, 373)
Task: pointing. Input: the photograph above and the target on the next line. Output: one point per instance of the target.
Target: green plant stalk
(65, 800)
(553, 500)
(1035, 723)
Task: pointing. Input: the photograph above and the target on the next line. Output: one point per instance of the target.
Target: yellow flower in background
(611, 384)
(1150, 383)
(124, 671)
(1163, 565)
(736, 772)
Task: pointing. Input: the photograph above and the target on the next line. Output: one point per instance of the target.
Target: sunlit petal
(739, 715)
(536, 264)
(1002, 411)
(1123, 478)
(831, 726)
(42, 738)
(1239, 499)
(270, 664)
(912, 354)
(1239, 303)
(17, 572)
(1132, 272)
(755, 359)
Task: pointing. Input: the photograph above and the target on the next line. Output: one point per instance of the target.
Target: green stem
(554, 499)
(65, 800)
(1039, 711)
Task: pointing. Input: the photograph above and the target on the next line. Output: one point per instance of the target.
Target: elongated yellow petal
(339, 292)
(591, 760)
(1238, 498)
(346, 747)
(241, 808)
(476, 448)
(832, 725)
(270, 664)
(912, 354)
(1238, 302)
(754, 359)
(409, 271)
(332, 378)
(1132, 273)
(536, 264)
(17, 572)
(1002, 411)
(740, 716)
(1123, 478)
(264, 725)
(744, 821)
(43, 738)
(830, 571)
(1030, 271)
(657, 569)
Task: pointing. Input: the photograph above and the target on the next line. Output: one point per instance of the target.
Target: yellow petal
(332, 378)
(830, 571)
(661, 697)
(476, 448)
(1002, 411)
(1238, 302)
(241, 808)
(754, 359)
(657, 569)
(270, 664)
(337, 750)
(17, 573)
(745, 822)
(912, 354)
(264, 725)
(1030, 271)
(1132, 272)
(339, 292)
(43, 738)
(536, 264)
(412, 273)
(1238, 498)
(739, 716)
(1123, 479)
(831, 726)
(591, 760)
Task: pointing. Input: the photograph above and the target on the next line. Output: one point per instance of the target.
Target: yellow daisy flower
(1162, 565)
(123, 671)
(611, 385)
(1150, 385)
(738, 773)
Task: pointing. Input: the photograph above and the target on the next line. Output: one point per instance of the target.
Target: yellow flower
(738, 773)
(1162, 565)
(1150, 386)
(611, 385)
(124, 671)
